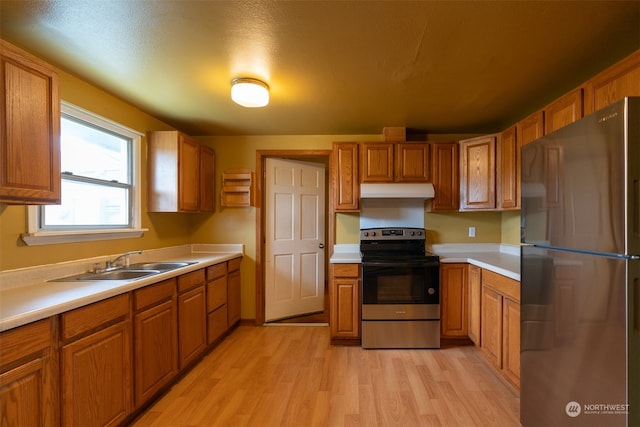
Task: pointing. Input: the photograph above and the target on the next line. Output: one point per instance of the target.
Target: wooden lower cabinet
(500, 324)
(192, 317)
(233, 292)
(95, 361)
(475, 296)
(344, 291)
(492, 326)
(511, 340)
(155, 337)
(454, 300)
(29, 393)
(216, 301)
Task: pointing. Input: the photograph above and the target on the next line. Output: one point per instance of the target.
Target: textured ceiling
(343, 67)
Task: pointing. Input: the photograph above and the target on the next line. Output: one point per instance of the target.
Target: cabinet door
(478, 173)
(453, 298)
(96, 378)
(413, 162)
(376, 162)
(563, 111)
(530, 128)
(30, 123)
(156, 349)
(620, 80)
(29, 391)
(475, 291)
(491, 326)
(346, 176)
(508, 170)
(344, 313)
(188, 174)
(233, 297)
(444, 171)
(511, 341)
(207, 179)
(192, 325)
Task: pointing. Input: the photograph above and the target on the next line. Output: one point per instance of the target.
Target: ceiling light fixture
(249, 92)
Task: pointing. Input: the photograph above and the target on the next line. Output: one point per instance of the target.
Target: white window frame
(36, 236)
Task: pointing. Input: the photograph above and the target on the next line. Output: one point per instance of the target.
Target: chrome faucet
(111, 265)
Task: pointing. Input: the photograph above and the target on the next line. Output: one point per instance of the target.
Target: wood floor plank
(291, 376)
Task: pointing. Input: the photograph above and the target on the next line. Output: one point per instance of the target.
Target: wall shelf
(237, 188)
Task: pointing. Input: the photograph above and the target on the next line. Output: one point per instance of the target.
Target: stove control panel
(392, 234)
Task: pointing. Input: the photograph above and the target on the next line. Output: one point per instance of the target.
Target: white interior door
(294, 254)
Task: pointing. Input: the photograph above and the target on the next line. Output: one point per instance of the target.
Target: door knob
(321, 245)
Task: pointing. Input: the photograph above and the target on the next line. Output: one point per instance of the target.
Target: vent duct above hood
(397, 191)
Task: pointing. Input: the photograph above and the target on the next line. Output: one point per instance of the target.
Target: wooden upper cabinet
(620, 80)
(395, 162)
(207, 179)
(531, 128)
(478, 173)
(188, 173)
(563, 111)
(444, 172)
(30, 123)
(345, 176)
(181, 174)
(413, 162)
(508, 170)
(376, 162)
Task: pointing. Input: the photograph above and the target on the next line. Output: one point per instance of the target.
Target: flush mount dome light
(249, 92)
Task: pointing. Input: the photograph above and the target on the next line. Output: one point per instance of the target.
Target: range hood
(397, 191)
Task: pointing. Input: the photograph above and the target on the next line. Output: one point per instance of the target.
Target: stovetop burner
(394, 244)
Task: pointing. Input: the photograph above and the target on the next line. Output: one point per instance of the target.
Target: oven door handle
(400, 263)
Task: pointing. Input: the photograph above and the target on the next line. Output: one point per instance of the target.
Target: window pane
(94, 153)
(89, 204)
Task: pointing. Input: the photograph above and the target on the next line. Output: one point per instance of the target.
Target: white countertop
(499, 258)
(26, 295)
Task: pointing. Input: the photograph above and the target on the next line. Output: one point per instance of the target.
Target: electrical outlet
(472, 232)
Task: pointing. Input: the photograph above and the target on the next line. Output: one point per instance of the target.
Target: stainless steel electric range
(400, 289)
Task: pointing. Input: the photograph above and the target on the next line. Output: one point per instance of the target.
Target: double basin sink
(132, 272)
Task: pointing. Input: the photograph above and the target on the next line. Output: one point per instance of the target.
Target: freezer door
(574, 354)
(580, 183)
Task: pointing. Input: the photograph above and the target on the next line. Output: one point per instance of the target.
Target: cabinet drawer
(216, 293)
(216, 271)
(25, 340)
(86, 318)
(153, 294)
(190, 280)
(502, 284)
(346, 270)
(234, 264)
(216, 324)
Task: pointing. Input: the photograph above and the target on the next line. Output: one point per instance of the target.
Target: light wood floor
(291, 376)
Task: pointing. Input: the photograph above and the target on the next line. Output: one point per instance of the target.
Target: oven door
(401, 282)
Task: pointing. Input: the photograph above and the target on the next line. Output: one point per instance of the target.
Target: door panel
(294, 255)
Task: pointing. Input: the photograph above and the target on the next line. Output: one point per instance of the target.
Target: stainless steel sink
(109, 275)
(118, 275)
(131, 273)
(163, 266)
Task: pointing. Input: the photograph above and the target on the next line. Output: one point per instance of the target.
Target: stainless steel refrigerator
(580, 273)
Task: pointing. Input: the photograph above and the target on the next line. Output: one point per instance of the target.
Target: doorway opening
(318, 157)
